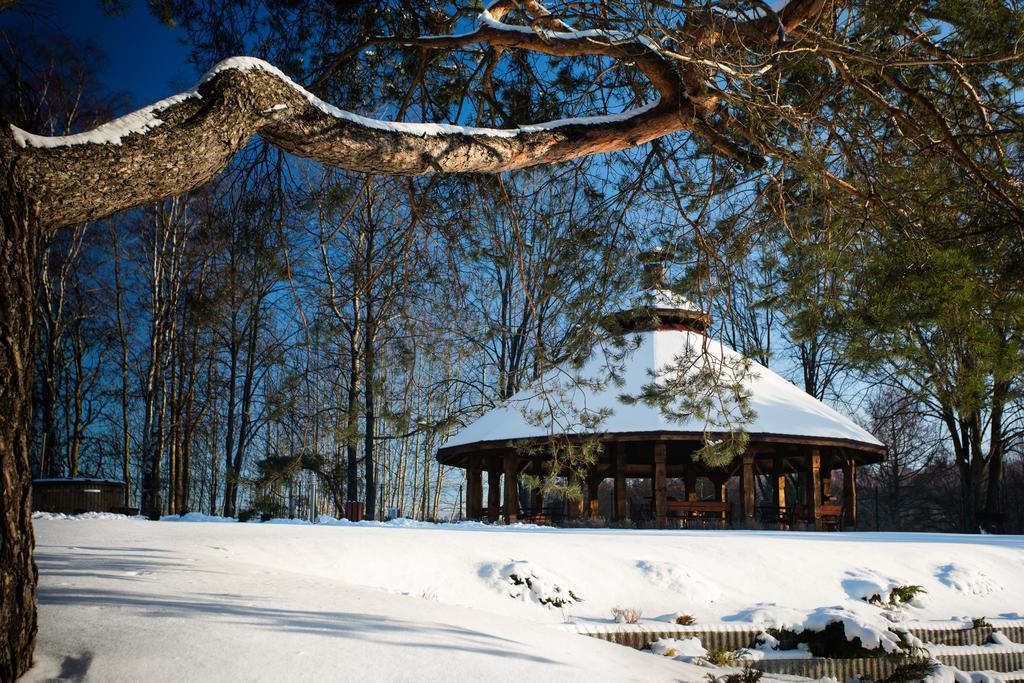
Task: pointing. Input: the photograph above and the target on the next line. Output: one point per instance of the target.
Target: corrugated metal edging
(946, 636)
(641, 637)
(988, 661)
(881, 667)
(872, 668)
(730, 637)
(968, 636)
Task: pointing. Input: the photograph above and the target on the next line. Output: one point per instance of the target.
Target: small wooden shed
(77, 495)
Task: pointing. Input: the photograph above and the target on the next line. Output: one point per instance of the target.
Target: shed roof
(76, 480)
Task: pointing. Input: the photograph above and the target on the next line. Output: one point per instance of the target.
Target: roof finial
(659, 307)
(655, 263)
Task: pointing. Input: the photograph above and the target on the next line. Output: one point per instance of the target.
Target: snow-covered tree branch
(181, 142)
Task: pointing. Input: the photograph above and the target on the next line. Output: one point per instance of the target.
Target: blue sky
(144, 58)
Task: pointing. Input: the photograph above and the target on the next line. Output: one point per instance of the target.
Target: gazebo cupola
(658, 307)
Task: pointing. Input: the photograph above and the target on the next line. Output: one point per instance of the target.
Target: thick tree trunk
(369, 417)
(230, 480)
(352, 416)
(18, 263)
(49, 463)
(122, 337)
(245, 420)
(994, 479)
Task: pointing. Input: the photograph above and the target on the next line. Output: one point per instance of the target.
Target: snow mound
(82, 516)
(942, 673)
(867, 585)
(692, 586)
(967, 580)
(687, 648)
(525, 581)
(405, 523)
(196, 517)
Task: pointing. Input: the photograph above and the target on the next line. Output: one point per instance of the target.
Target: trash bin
(353, 511)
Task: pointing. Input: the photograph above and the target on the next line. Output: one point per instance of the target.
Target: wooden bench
(485, 513)
(535, 518)
(698, 509)
(525, 515)
(831, 516)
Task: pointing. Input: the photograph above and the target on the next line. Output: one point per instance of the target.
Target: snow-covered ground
(127, 599)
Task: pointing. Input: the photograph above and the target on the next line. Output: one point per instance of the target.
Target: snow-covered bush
(897, 595)
(527, 582)
(721, 657)
(846, 639)
(747, 675)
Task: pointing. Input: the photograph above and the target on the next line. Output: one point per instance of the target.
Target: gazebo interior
(779, 482)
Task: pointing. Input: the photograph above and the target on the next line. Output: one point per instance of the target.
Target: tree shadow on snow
(75, 668)
(349, 625)
(107, 563)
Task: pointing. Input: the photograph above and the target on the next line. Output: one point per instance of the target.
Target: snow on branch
(148, 118)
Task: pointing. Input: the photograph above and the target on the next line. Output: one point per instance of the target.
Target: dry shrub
(626, 615)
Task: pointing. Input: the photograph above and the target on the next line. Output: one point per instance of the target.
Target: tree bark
(19, 254)
(369, 414)
(352, 413)
(122, 337)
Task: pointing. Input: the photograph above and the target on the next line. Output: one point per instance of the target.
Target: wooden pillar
(814, 485)
(778, 484)
(850, 492)
(621, 498)
(690, 480)
(474, 492)
(718, 481)
(493, 490)
(748, 488)
(593, 485)
(826, 480)
(536, 495)
(576, 507)
(511, 488)
(659, 485)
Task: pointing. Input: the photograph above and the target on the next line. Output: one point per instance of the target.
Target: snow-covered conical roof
(553, 404)
(668, 328)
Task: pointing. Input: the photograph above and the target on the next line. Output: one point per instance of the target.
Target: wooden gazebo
(792, 434)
